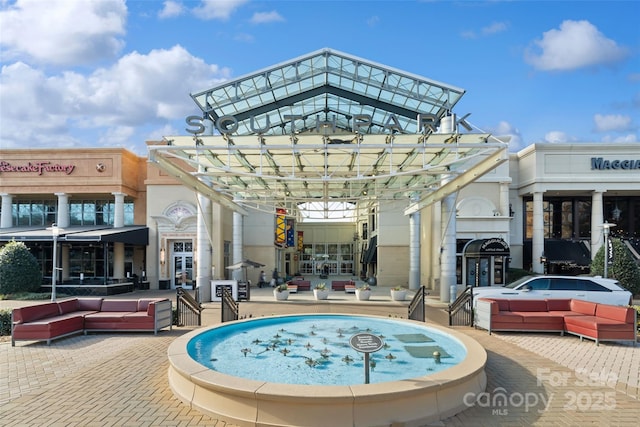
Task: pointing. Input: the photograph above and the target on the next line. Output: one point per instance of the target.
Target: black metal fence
(461, 310)
(230, 309)
(417, 305)
(188, 310)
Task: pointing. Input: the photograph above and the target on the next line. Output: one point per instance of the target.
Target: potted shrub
(363, 293)
(281, 292)
(398, 293)
(320, 291)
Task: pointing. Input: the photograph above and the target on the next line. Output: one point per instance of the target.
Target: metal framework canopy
(326, 127)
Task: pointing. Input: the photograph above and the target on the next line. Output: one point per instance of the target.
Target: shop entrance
(486, 262)
(182, 265)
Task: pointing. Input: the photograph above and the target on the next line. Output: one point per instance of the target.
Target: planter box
(281, 296)
(398, 295)
(363, 294)
(321, 293)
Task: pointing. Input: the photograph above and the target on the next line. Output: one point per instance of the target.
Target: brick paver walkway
(120, 379)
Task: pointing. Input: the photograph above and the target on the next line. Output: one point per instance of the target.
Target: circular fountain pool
(315, 350)
(299, 370)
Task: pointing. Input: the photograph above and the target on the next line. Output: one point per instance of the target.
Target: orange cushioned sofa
(600, 322)
(53, 320)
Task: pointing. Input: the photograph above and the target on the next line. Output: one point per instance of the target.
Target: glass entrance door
(182, 271)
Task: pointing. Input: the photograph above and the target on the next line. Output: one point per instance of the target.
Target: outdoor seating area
(341, 285)
(599, 322)
(49, 321)
(299, 284)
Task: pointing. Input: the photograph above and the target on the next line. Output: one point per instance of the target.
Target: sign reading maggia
(626, 164)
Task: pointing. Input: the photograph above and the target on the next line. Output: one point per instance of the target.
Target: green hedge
(5, 322)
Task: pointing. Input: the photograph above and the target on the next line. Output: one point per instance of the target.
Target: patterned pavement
(120, 379)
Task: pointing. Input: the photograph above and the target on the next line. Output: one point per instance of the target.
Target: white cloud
(266, 17)
(612, 122)
(171, 9)
(139, 90)
(557, 136)
(625, 139)
(493, 28)
(217, 9)
(575, 44)
(373, 21)
(506, 129)
(63, 32)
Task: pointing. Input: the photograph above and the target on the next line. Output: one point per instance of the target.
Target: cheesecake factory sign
(36, 167)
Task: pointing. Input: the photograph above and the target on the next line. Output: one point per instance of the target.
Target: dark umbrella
(244, 265)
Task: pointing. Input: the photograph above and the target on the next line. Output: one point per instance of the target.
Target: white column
(118, 247)
(537, 242)
(414, 250)
(62, 219)
(448, 250)
(203, 246)
(64, 262)
(597, 219)
(237, 243)
(6, 218)
(118, 213)
(436, 245)
(504, 199)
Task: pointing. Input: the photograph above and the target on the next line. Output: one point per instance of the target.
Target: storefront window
(34, 212)
(560, 217)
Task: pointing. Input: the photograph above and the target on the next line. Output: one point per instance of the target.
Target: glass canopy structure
(327, 127)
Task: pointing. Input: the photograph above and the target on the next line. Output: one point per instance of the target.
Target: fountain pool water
(315, 350)
(299, 370)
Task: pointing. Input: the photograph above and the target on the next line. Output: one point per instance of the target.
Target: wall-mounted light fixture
(163, 258)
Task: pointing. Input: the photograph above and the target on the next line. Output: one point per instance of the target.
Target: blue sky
(115, 73)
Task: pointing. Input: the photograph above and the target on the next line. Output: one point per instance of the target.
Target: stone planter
(321, 293)
(280, 295)
(363, 294)
(398, 295)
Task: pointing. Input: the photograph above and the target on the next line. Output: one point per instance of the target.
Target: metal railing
(461, 310)
(417, 305)
(229, 309)
(189, 311)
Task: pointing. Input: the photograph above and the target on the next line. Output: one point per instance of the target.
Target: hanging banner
(281, 228)
(300, 241)
(291, 236)
(609, 252)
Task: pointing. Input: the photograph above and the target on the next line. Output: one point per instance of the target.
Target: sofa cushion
(583, 307)
(120, 305)
(35, 312)
(527, 305)
(68, 306)
(500, 304)
(89, 304)
(612, 312)
(143, 304)
(558, 304)
(596, 323)
(506, 317)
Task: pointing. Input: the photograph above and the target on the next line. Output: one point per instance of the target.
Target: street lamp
(605, 228)
(55, 232)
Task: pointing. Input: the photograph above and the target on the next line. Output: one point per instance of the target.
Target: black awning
(134, 235)
(486, 247)
(567, 252)
(372, 250)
